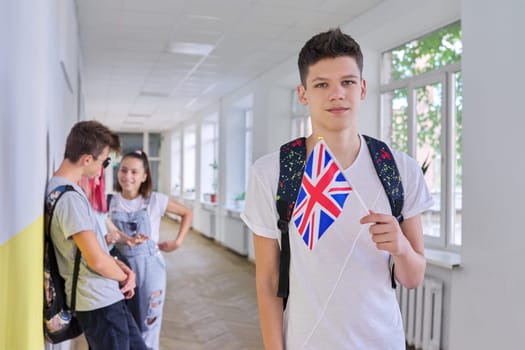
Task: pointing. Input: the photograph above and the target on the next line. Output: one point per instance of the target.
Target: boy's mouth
(337, 109)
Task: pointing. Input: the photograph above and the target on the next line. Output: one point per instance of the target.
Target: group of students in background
(340, 294)
(122, 278)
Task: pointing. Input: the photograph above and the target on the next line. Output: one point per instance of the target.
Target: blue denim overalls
(150, 269)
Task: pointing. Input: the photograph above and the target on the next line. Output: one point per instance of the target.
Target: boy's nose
(337, 93)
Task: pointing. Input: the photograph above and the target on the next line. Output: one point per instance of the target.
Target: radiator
(421, 310)
(235, 236)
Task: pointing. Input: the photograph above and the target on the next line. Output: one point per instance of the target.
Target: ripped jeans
(147, 304)
(150, 269)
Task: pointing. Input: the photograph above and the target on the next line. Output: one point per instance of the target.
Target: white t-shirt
(158, 203)
(340, 292)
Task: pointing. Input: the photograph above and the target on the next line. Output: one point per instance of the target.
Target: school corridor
(207, 87)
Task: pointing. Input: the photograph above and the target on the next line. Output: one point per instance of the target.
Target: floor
(210, 300)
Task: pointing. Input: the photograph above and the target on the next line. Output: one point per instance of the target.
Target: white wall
(34, 88)
(488, 311)
(36, 114)
(65, 55)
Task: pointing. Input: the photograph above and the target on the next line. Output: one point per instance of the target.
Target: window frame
(209, 144)
(446, 76)
(176, 163)
(189, 148)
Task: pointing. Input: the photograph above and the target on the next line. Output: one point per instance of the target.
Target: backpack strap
(388, 173)
(51, 202)
(292, 160)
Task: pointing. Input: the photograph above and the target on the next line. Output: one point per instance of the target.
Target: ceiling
(150, 64)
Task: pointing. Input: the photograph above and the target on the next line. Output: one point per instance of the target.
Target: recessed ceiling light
(211, 18)
(190, 48)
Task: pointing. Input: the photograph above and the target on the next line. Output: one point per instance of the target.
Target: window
(209, 155)
(176, 164)
(131, 142)
(188, 159)
(152, 149)
(248, 140)
(238, 152)
(421, 108)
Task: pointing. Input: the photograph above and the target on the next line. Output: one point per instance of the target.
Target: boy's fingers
(378, 218)
(372, 217)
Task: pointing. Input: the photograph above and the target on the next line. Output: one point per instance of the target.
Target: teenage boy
(341, 295)
(103, 282)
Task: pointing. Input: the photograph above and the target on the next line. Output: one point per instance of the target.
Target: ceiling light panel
(190, 48)
(228, 13)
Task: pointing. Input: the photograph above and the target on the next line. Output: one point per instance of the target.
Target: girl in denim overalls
(137, 211)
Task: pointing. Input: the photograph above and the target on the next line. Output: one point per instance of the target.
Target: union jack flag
(321, 197)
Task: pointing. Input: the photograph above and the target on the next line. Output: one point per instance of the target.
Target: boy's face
(93, 165)
(333, 92)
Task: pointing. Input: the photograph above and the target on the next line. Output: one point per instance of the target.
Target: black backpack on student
(292, 161)
(60, 323)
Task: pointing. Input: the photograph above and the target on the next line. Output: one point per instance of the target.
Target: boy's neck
(70, 171)
(344, 145)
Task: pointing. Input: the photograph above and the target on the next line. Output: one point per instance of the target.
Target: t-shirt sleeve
(260, 213)
(160, 203)
(73, 215)
(417, 195)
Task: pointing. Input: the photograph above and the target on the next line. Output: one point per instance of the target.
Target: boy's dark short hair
(330, 44)
(89, 137)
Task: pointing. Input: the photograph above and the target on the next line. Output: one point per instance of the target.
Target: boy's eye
(348, 82)
(321, 85)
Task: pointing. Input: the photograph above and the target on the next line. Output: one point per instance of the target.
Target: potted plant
(239, 200)
(215, 167)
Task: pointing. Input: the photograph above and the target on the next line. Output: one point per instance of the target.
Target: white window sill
(209, 206)
(234, 213)
(443, 259)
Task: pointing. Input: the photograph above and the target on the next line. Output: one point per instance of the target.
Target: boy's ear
(301, 95)
(85, 159)
(363, 89)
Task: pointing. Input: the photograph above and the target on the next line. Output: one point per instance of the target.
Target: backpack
(292, 161)
(60, 323)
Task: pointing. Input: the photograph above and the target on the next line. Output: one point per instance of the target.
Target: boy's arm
(127, 287)
(267, 282)
(404, 243)
(410, 266)
(97, 259)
